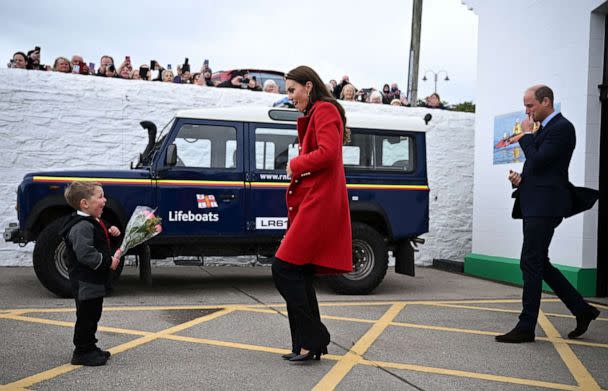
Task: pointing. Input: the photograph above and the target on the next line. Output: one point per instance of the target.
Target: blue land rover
(217, 178)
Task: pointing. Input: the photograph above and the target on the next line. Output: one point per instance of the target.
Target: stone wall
(51, 121)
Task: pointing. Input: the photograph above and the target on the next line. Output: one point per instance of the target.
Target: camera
(186, 66)
(111, 68)
(245, 80)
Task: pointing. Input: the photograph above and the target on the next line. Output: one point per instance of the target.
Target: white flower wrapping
(142, 226)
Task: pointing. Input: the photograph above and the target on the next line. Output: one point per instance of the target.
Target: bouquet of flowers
(142, 226)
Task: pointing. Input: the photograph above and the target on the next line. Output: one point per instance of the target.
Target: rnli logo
(205, 201)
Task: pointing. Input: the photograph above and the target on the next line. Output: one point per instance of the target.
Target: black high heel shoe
(308, 356)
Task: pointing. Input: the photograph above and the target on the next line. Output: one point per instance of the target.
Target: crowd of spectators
(345, 90)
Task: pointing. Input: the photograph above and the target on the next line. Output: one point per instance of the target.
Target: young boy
(90, 264)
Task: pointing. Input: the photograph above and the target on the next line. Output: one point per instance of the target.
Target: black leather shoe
(516, 336)
(90, 359)
(582, 323)
(104, 353)
(289, 356)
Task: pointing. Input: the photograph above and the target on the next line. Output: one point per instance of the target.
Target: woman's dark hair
(303, 74)
(21, 54)
(386, 87)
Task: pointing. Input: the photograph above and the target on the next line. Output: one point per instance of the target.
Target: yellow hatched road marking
(575, 366)
(472, 375)
(54, 372)
(354, 355)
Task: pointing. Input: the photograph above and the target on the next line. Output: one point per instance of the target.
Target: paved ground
(225, 331)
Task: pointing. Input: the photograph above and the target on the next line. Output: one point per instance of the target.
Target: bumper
(12, 233)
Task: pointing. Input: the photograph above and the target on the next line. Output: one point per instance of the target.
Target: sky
(368, 41)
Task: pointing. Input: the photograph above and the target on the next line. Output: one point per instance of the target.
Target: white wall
(51, 121)
(522, 43)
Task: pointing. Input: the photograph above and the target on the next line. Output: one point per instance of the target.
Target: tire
(370, 262)
(50, 261)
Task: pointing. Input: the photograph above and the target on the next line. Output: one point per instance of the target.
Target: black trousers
(88, 313)
(295, 284)
(535, 266)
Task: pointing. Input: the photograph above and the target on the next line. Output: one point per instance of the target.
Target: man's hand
(114, 231)
(115, 262)
(514, 178)
(528, 125)
(288, 169)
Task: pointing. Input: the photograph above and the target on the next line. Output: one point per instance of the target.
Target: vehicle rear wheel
(50, 260)
(370, 262)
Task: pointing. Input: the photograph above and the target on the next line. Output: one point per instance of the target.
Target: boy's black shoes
(104, 353)
(90, 359)
(516, 336)
(582, 322)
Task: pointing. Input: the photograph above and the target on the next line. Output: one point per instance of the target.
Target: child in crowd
(90, 266)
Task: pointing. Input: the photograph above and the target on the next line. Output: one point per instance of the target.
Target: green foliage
(466, 106)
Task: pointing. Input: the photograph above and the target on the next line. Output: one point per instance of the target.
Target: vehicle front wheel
(50, 260)
(370, 262)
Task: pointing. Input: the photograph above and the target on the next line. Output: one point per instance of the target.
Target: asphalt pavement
(224, 328)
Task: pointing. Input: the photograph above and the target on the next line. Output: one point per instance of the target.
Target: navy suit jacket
(545, 190)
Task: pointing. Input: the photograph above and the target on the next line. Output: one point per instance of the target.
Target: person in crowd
(333, 83)
(104, 63)
(395, 92)
(183, 74)
(348, 93)
(19, 60)
(433, 101)
(62, 64)
(135, 75)
(338, 89)
(33, 60)
(198, 79)
(207, 76)
(317, 173)
(396, 102)
(543, 198)
(235, 82)
(386, 90)
(404, 100)
(271, 86)
(88, 250)
(78, 65)
(252, 84)
(167, 76)
(375, 97)
(124, 72)
(111, 71)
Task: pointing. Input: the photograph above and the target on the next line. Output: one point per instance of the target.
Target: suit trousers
(535, 267)
(88, 313)
(295, 284)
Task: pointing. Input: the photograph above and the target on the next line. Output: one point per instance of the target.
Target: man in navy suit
(543, 197)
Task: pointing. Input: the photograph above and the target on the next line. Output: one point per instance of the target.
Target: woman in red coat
(318, 240)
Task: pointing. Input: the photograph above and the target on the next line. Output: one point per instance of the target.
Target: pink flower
(159, 229)
(148, 214)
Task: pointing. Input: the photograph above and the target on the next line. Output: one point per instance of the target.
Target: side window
(206, 146)
(359, 152)
(395, 152)
(274, 148)
(379, 152)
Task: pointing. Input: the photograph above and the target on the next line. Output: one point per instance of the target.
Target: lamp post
(435, 75)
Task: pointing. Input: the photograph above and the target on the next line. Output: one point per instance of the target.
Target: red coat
(319, 230)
